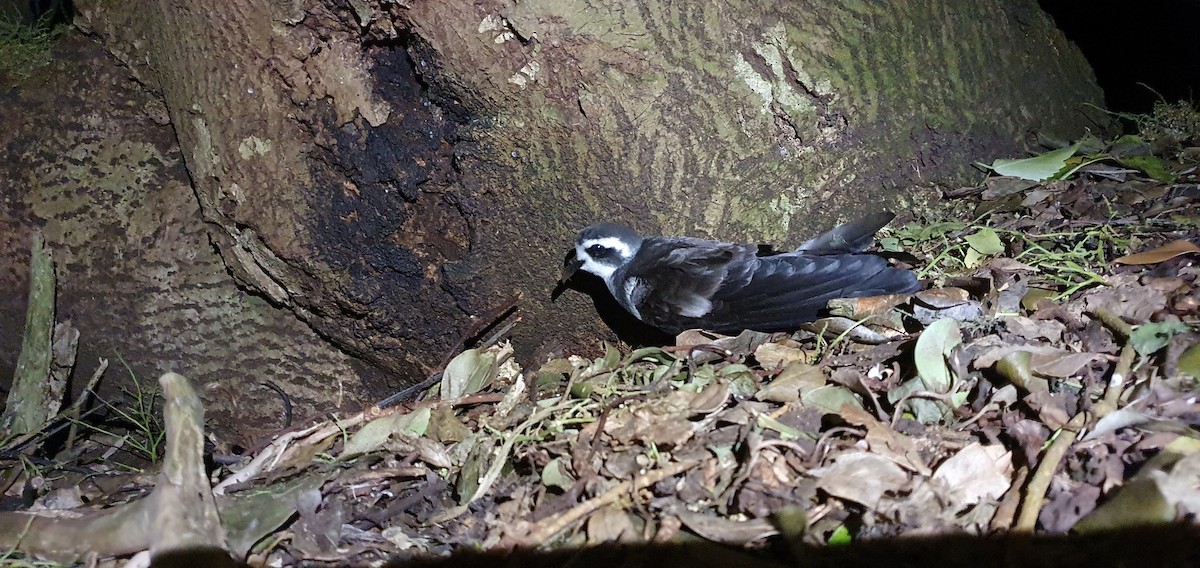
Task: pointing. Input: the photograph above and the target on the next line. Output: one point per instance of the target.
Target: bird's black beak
(570, 266)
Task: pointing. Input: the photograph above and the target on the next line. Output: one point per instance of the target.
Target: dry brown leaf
(943, 297)
(975, 473)
(862, 477)
(726, 530)
(885, 441)
(1160, 254)
(866, 306)
(1062, 365)
(1035, 330)
(610, 524)
(795, 380)
(693, 337)
(662, 421)
(780, 354)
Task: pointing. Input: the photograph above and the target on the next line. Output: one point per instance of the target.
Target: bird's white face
(604, 255)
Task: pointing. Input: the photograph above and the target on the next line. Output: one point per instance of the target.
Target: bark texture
(88, 158)
(389, 170)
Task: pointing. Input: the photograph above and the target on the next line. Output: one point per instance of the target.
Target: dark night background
(1135, 45)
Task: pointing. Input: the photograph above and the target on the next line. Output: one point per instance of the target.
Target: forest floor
(1044, 382)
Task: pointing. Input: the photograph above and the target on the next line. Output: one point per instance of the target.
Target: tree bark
(87, 158)
(389, 170)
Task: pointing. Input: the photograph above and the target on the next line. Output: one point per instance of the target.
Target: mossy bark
(30, 403)
(388, 171)
(88, 159)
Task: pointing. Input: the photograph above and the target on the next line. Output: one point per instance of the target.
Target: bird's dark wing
(779, 293)
(848, 238)
(786, 291)
(674, 279)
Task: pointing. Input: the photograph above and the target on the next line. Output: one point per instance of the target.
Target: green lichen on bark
(28, 406)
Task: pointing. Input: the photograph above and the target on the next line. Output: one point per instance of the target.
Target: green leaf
(923, 410)
(830, 398)
(1038, 168)
(985, 241)
(1129, 145)
(840, 536)
(1151, 337)
(1149, 165)
(649, 354)
(934, 344)
(468, 373)
(557, 475)
(890, 244)
(1189, 361)
(376, 433)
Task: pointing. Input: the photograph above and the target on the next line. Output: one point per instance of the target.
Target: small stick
(548, 528)
(477, 327)
(1035, 492)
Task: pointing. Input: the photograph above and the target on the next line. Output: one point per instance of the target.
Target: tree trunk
(388, 170)
(88, 158)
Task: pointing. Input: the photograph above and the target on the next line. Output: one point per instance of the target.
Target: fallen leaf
(985, 241)
(467, 373)
(834, 327)
(376, 432)
(933, 345)
(1149, 338)
(1164, 490)
(557, 474)
(1152, 166)
(725, 530)
(1160, 254)
(1189, 361)
(1062, 365)
(610, 524)
(1017, 368)
(975, 473)
(950, 302)
(998, 187)
(885, 441)
(793, 382)
(660, 421)
(779, 355)
(1037, 168)
(829, 399)
(862, 477)
(1034, 330)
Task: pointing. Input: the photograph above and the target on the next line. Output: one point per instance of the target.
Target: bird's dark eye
(598, 251)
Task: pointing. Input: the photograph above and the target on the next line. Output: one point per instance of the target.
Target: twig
(71, 416)
(1006, 509)
(479, 326)
(1116, 382)
(1035, 492)
(73, 412)
(1113, 321)
(287, 401)
(546, 529)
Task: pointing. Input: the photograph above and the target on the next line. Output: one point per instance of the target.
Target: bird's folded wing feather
(677, 277)
(691, 283)
(786, 291)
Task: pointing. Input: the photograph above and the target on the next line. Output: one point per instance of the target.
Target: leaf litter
(1045, 380)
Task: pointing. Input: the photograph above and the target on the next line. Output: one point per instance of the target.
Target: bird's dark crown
(609, 230)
